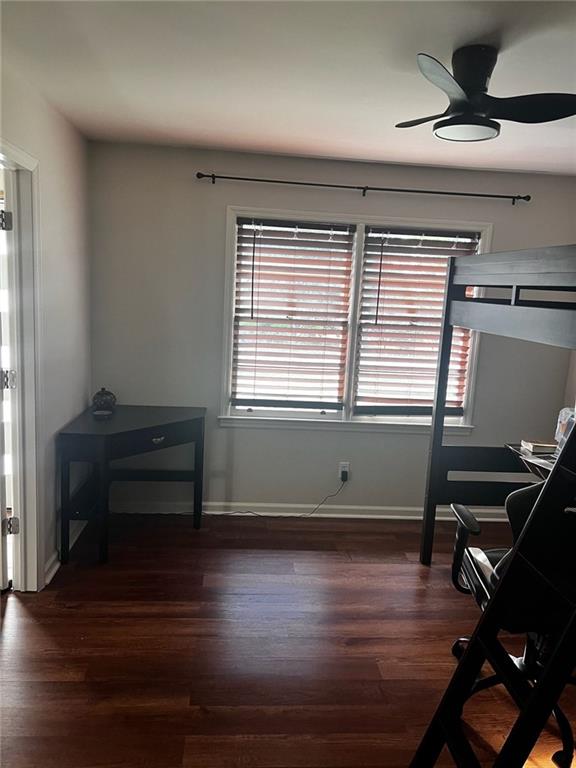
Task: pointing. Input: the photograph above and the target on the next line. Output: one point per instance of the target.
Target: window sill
(398, 425)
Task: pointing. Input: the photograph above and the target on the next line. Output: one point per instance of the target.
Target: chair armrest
(466, 519)
(467, 526)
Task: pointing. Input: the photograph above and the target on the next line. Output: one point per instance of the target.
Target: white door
(4, 247)
(7, 378)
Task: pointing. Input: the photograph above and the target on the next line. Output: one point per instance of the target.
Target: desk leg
(102, 513)
(64, 510)
(198, 477)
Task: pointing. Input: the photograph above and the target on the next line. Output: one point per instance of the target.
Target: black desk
(133, 429)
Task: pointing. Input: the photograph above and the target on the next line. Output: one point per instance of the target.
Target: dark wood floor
(251, 644)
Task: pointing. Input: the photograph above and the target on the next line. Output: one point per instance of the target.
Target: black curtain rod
(364, 189)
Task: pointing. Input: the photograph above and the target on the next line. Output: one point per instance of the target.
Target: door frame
(28, 544)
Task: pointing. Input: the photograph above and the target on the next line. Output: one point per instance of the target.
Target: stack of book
(531, 446)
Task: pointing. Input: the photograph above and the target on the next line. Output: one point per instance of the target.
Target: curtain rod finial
(526, 198)
(211, 176)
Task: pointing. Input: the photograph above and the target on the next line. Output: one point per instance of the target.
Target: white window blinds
(291, 314)
(402, 296)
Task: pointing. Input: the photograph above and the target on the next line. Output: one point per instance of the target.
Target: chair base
(459, 647)
(564, 757)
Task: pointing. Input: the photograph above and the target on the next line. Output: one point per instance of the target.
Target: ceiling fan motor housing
(467, 128)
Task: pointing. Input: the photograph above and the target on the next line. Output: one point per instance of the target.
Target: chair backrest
(548, 541)
(519, 504)
(538, 590)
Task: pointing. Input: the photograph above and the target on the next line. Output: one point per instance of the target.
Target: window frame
(230, 416)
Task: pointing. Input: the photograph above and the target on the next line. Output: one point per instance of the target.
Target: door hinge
(6, 221)
(7, 379)
(10, 525)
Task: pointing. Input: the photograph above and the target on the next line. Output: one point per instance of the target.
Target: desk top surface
(540, 464)
(127, 418)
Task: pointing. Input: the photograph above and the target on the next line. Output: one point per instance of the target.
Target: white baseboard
(53, 562)
(347, 511)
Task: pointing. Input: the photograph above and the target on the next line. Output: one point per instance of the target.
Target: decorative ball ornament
(103, 404)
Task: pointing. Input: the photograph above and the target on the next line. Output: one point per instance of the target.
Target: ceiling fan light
(466, 128)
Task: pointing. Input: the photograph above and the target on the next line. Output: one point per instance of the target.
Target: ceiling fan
(471, 114)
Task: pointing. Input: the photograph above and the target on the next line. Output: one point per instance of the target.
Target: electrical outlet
(344, 471)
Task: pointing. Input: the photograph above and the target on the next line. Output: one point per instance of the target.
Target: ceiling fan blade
(439, 76)
(420, 120)
(535, 108)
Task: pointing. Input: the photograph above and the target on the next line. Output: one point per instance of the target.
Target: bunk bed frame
(545, 321)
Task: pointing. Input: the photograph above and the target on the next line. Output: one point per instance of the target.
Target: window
(342, 319)
(291, 314)
(403, 285)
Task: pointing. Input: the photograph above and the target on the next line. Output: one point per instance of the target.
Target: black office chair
(477, 572)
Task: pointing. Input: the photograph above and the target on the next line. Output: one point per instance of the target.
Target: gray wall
(158, 263)
(63, 352)
(570, 394)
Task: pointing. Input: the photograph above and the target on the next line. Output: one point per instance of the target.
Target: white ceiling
(325, 79)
